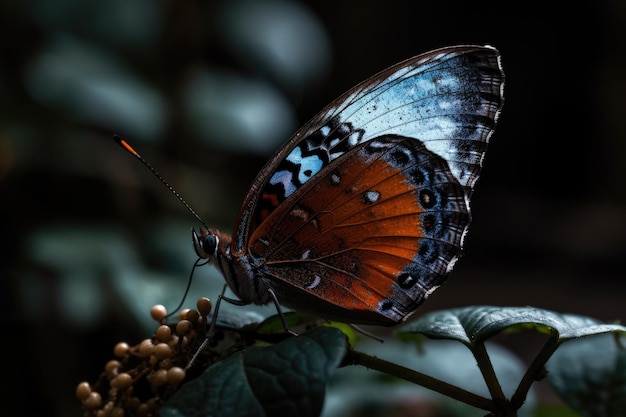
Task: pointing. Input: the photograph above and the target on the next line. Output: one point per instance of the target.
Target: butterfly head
(214, 246)
(205, 243)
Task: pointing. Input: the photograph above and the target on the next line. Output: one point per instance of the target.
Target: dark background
(86, 231)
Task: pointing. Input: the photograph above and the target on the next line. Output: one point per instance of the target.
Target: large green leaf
(473, 325)
(288, 378)
(221, 390)
(590, 375)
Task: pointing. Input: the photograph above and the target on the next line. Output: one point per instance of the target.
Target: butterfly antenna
(136, 154)
(199, 262)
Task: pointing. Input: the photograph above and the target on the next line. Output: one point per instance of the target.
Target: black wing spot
(406, 280)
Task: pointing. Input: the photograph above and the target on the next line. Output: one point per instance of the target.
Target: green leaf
(590, 375)
(473, 325)
(221, 390)
(299, 322)
(274, 324)
(288, 378)
(236, 319)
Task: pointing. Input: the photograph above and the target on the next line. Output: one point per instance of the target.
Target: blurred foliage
(208, 90)
(91, 241)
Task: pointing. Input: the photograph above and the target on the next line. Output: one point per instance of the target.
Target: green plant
(257, 369)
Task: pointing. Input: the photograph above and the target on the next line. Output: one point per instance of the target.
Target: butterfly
(362, 214)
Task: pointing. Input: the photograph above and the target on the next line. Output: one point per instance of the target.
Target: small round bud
(182, 314)
(93, 401)
(162, 351)
(83, 390)
(175, 375)
(183, 327)
(108, 407)
(158, 312)
(159, 378)
(173, 341)
(166, 363)
(164, 333)
(204, 306)
(122, 381)
(112, 367)
(121, 349)
(143, 410)
(192, 316)
(146, 348)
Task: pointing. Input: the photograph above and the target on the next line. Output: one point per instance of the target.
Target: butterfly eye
(206, 245)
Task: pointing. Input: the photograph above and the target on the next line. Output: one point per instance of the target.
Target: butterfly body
(363, 213)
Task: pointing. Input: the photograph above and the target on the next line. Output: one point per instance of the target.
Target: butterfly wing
(363, 212)
(370, 237)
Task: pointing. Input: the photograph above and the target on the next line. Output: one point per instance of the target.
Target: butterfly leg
(279, 310)
(366, 333)
(237, 302)
(213, 324)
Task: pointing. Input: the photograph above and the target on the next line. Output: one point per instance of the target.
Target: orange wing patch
(347, 235)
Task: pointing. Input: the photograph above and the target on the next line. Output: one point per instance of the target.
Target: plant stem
(533, 373)
(486, 368)
(419, 378)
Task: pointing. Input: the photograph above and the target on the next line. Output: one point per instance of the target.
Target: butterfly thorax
(242, 273)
